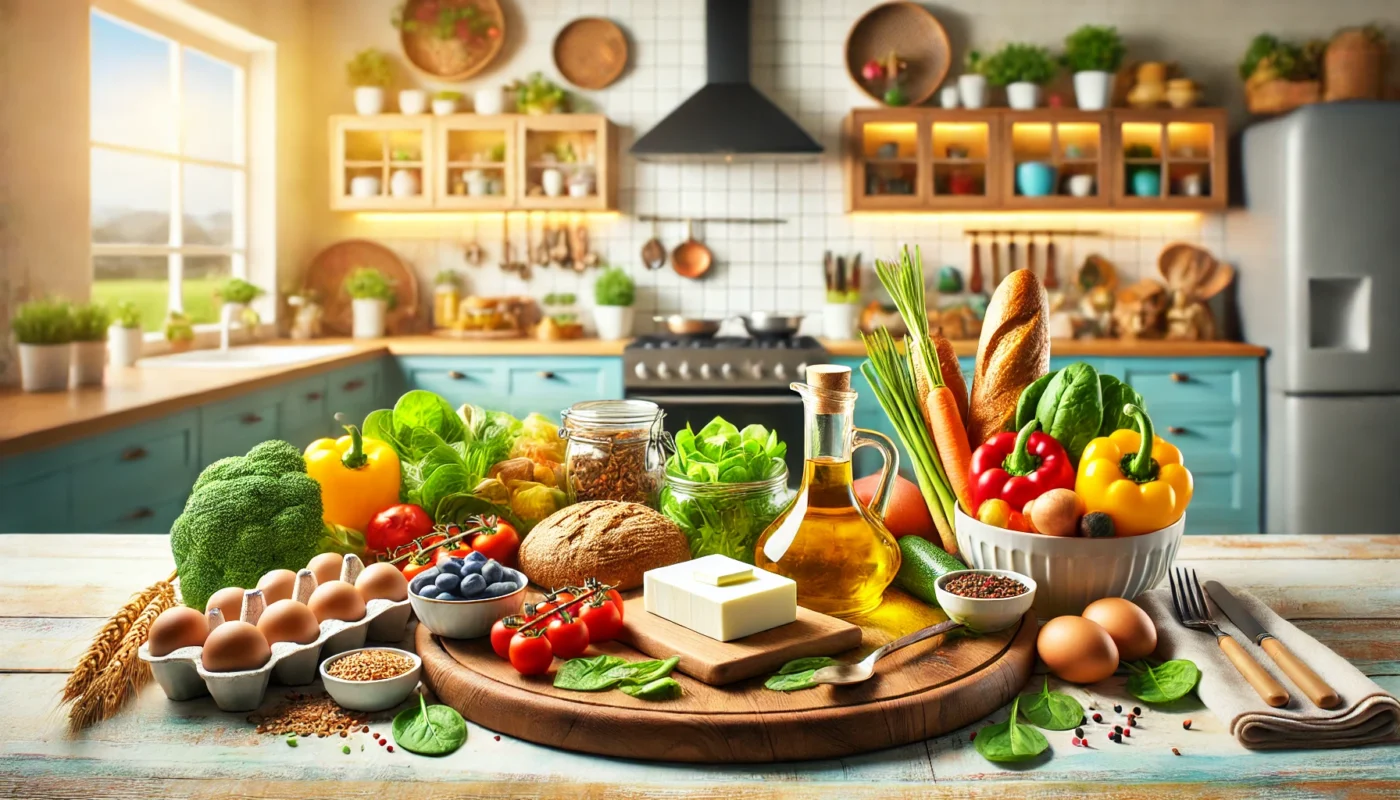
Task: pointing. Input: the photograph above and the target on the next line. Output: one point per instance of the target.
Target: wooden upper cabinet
(927, 159)
(470, 162)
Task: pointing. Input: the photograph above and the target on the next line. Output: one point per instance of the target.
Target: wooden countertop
(30, 422)
(1339, 589)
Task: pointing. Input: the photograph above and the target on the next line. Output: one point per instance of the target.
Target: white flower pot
(491, 100)
(123, 345)
(89, 358)
(442, 107)
(948, 97)
(552, 181)
(972, 89)
(368, 318)
(1092, 88)
(839, 321)
(413, 101)
(44, 367)
(1022, 95)
(613, 322)
(404, 183)
(369, 100)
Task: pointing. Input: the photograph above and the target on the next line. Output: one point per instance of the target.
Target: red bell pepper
(1019, 467)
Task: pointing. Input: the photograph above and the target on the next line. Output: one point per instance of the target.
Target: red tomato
(396, 526)
(497, 540)
(444, 553)
(568, 636)
(616, 597)
(530, 652)
(501, 634)
(602, 619)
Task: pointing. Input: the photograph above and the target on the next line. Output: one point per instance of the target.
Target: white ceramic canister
(972, 90)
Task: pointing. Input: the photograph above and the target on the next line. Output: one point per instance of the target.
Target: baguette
(1013, 352)
(952, 373)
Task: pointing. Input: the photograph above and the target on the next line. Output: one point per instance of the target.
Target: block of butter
(697, 594)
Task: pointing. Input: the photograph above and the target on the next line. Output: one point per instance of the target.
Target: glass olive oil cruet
(835, 548)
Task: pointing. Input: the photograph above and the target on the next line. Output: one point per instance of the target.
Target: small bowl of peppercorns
(985, 600)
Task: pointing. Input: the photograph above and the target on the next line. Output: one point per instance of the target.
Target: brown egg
(235, 647)
(1129, 626)
(230, 602)
(326, 567)
(337, 600)
(1077, 650)
(277, 585)
(176, 627)
(382, 582)
(289, 621)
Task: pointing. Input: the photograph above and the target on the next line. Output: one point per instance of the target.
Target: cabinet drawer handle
(141, 513)
(1180, 377)
(250, 419)
(134, 454)
(455, 375)
(313, 396)
(547, 375)
(1176, 430)
(351, 386)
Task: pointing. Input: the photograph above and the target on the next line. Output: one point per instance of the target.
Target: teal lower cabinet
(547, 384)
(1208, 407)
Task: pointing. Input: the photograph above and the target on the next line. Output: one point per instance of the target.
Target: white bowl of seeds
(371, 678)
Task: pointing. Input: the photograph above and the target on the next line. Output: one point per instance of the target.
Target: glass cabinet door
(476, 168)
(564, 159)
(887, 163)
(381, 163)
(964, 171)
(1056, 160)
(1172, 159)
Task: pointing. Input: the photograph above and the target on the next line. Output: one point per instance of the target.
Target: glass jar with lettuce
(725, 486)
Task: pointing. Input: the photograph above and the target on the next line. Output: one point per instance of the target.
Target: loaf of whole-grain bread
(612, 541)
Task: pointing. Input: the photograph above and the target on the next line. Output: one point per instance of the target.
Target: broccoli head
(246, 515)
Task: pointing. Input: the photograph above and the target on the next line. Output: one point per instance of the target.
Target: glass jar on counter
(614, 451)
(724, 518)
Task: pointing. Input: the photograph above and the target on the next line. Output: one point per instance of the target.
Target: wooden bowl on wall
(453, 58)
(590, 52)
(914, 34)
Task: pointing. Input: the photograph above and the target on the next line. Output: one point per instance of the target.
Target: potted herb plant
(1093, 53)
(178, 330)
(539, 95)
(43, 329)
(240, 294)
(613, 295)
(972, 84)
(372, 295)
(369, 72)
(124, 337)
(1279, 76)
(89, 344)
(445, 102)
(1022, 69)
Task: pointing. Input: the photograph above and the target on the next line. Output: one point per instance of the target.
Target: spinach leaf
(1008, 742)
(589, 674)
(1030, 398)
(797, 674)
(659, 689)
(1115, 395)
(1053, 711)
(1071, 410)
(429, 730)
(642, 672)
(1164, 683)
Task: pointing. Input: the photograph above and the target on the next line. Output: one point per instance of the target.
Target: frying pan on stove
(695, 327)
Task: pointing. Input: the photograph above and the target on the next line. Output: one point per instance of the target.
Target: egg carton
(182, 676)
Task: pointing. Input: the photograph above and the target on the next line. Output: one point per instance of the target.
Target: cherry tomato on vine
(602, 618)
(530, 652)
(417, 563)
(567, 635)
(501, 634)
(497, 539)
(616, 597)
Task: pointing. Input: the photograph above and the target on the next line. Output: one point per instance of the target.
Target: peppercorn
(1137, 712)
(1098, 717)
(1128, 732)
(1186, 724)
(973, 737)
(1076, 741)
(1079, 732)
(498, 738)
(1176, 752)
(1083, 720)
(391, 748)
(1117, 728)
(1110, 735)
(1118, 709)
(1132, 723)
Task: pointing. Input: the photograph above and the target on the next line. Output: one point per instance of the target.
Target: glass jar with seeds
(614, 451)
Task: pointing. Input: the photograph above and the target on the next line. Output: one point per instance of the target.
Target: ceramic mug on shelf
(1193, 184)
(552, 181)
(364, 186)
(948, 97)
(1080, 185)
(403, 183)
(1147, 182)
(1035, 179)
(476, 183)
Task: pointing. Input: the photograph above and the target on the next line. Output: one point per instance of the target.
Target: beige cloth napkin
(1367, 714)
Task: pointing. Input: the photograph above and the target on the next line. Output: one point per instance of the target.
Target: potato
(1056, 513)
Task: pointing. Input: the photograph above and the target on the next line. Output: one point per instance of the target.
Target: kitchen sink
(251, 356)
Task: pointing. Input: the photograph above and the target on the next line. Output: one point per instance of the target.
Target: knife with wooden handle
(1317, 690)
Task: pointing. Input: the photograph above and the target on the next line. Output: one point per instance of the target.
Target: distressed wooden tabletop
(56, 591)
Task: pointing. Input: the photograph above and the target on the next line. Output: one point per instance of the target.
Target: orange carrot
(949, 436)
(952, 372)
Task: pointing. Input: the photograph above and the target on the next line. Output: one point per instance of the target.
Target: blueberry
(491, 571)
(429, 592)
(501, 589)
(422, 579)
(472, 585)
(471, 568)
(475, 557)
(447, 582)
(449, 597)
(450, 567)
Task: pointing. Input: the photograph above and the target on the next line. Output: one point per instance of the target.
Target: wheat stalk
(100, 651)
(124, 672)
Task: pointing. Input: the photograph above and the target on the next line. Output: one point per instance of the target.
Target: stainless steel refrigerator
(1318, 250)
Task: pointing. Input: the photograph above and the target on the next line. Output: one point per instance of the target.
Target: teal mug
(1147, 182)
(1035, 179)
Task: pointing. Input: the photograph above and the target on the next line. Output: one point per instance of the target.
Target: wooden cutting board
(327, 273)
(720, 663)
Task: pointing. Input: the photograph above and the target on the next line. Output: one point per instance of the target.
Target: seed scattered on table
(1176, 752)
(1137, 711)
(1098, 717)
(982, 586)
(345, 749)
(369, 665)
(308, 715)
(1186, 725)
(1118, 709)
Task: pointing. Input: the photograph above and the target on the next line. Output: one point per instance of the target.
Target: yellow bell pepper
(359, 477)
(1143, 488)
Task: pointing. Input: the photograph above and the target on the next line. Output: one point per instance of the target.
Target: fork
(1189, 602)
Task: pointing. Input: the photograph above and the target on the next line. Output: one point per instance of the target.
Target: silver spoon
(842, 674)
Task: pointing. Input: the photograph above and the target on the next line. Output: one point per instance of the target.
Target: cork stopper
(829, 378)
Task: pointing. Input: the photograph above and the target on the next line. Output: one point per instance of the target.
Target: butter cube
(721, 571)
(723, 612)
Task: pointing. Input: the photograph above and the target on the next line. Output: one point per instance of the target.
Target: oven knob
(706, 371)
(684, 369)
(662, 371)
(640, 370)
(780, 372)
(726, 370)
(756, 371)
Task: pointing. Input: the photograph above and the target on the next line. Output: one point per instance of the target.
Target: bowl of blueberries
(461, 598)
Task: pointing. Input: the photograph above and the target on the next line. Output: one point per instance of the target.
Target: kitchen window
(169, 166)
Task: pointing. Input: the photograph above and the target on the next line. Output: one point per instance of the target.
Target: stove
(727, 363)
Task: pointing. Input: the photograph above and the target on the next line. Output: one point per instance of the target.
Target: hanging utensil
(691, 258)
(654, 252)
(505, 264)
(1010, 255)
(829, 272)
(474, 252)
(996, 262)
(539, 253)
(583, 249)
(855, 274)
(1030, 252)
(1051, 280)
(559, 250)
(974, 281)
(841, 276)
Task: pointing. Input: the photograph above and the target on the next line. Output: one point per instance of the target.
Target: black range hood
(728, 119)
